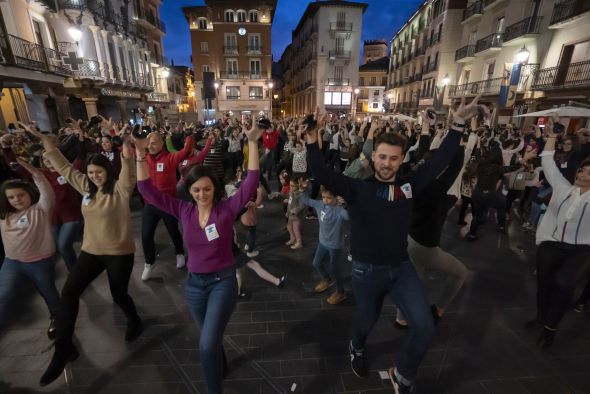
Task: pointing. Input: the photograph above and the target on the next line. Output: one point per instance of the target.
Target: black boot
(64, 353)
(51, 329)
(546, 338)
(134, 329)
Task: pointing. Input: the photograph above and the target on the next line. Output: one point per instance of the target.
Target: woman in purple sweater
(211, 287)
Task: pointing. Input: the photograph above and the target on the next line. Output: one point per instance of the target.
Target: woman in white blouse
(563, 239)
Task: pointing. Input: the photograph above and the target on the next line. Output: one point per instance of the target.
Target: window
(376, 93)
(489, 70)
(338, 72)
(204, 47)
(256, 93)
(384, 81)
(231, 43)
(341, 19)
(337, 98)
(362, 81)
(253, 16)
(229, 16)
(254, 43)
(375, 105)
(202, 23)
(241, 16)
(373, 81)
(205, 68)
(232, 92)
(255, 68)
(340, 45)
(232, 67)
(500, 25)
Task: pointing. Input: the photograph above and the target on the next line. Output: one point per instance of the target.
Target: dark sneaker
(398, 387)
(282, 281)
(51, 329)
(134, 329)
(582, 308)
(357, 362)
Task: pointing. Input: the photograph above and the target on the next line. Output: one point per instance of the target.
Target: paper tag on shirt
(86, 200)
(23, 221)
(61, 180)
(407, 190)
(290, 199)
(211, 232)
(519, 176)
(564, 165)
(160, 167)
(212, 150)
(322, 215)
(185, 163)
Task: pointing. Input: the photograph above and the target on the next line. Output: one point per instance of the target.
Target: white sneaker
(253, 253)
(147, 272)
(260, 206)
(180, 261)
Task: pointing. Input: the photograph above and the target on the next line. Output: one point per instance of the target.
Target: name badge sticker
(23, 221)
(407, 190)
(564, 165)
(160, 167)
(61, 180)
(185, 163)
(322, 215)
(86, 200)
(211, 232)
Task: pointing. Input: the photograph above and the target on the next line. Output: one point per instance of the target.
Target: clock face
(241, 31)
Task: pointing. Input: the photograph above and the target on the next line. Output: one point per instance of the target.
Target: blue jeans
(41, 273)
(211, 299)
(335, 258)
(65, 235)
(371, 283)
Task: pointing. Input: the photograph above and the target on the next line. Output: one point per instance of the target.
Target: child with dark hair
(25, 222)
(295, 214)
(331, 216)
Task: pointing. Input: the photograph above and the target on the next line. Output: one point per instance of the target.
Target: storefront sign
(119, 93)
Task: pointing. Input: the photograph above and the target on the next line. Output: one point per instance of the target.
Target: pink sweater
(250, 218)
(27, 234)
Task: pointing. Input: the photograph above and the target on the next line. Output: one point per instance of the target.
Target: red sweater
(270, 140)
(163, 167)
(193, 159)
(68, 202)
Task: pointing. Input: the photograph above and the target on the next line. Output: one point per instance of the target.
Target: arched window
(253, 16)
(202, 23)
(241, 16)
(229, 16)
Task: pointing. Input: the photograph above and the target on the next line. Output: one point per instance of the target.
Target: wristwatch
(458, 125)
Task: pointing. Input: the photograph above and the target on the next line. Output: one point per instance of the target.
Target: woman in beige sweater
(107, 245)
(25, 222)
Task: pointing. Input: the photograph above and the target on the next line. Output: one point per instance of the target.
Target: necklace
(205, 218)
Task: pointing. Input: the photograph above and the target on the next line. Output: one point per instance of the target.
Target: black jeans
(562, 270)
(150, 216)
(86, 269)
(484, 200)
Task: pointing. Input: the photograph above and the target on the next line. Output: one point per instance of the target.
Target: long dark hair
(199, 171)
(5, 207)
(100, 160)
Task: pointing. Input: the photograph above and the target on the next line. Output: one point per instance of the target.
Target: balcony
(491, 43)
(149, 20)
(339, 81)
(417, 77)
(566, 11)
(254, 49)
(489, 4)
(486, 87)
(157, 97)
(419, 51)
(90, 69)
(230, 49)
(25, 54)
(49, 4)
(338, 54)
(340, 26)
(465, 54)
(473, 12)
(522, 31)
(239, 75)
(428, 68)
(575, 75)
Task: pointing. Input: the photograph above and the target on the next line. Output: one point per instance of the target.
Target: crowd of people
(207, 183)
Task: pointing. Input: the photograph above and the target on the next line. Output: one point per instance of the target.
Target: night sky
(382, 19)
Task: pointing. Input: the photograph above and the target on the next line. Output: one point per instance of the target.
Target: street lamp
(216, 86)
(522, 56)
(446, 80)
(75, 33)
(270, 86)
(355, 102)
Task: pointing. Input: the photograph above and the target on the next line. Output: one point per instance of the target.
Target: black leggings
(562, 270)
(87, 268)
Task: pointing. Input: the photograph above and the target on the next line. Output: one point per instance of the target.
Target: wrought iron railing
(473, 9)
(486, 87)
(338, 54)
(494, 40)
(230, 49)
(255, 49)
(466, 51)
(88, 69)
(528, 25)
(573, 76)
(568, 9)
(26, 54)
(340, 26)
(339, 81)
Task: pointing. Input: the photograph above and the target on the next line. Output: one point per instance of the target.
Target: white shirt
(568, 215)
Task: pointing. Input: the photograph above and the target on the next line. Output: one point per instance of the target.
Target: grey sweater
(330, 218)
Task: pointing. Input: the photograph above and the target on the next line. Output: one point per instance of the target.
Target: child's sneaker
(290, 242)
(296, 246)
(336, 298)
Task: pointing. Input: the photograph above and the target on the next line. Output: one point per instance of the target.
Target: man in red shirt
(270, 141)
(162, 165)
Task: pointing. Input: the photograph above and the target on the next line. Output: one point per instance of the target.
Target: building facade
(372, 99)
(232, 39)
(320, 66)
(422, 56)
(373, 50)
(79, 58)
